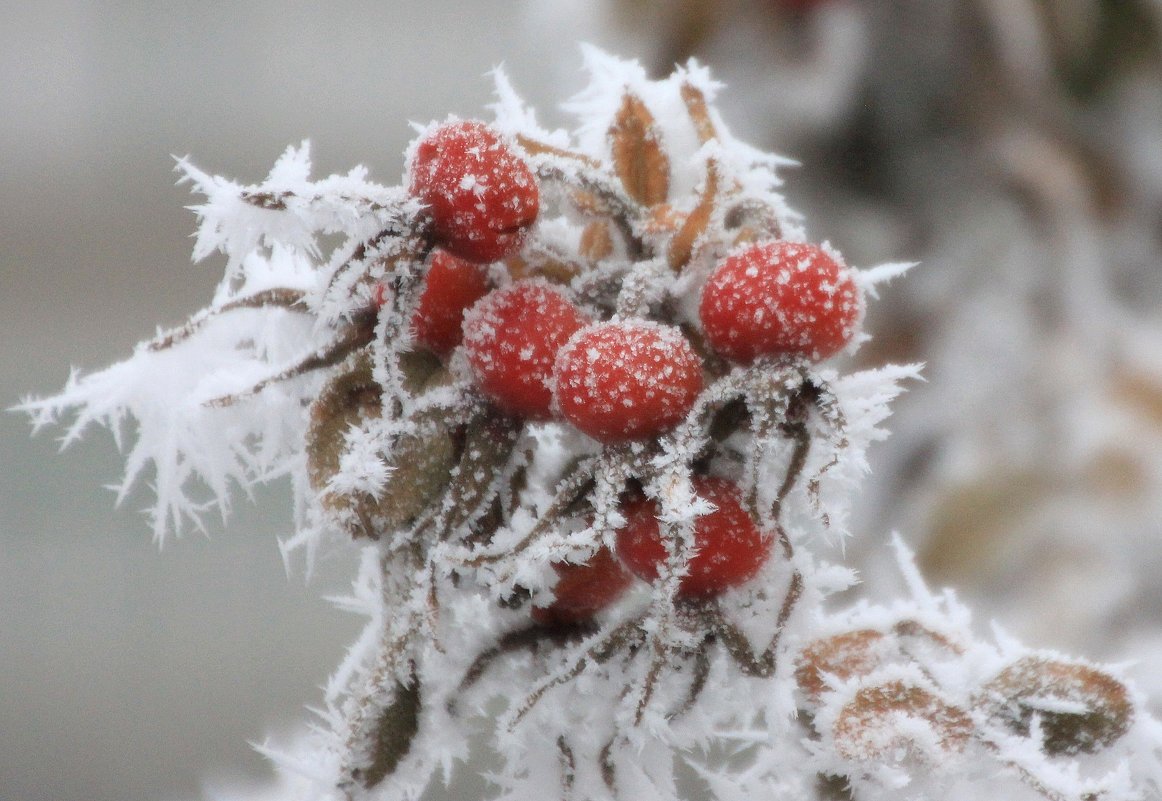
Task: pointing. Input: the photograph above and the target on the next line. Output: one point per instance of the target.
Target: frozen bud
(1079, 708)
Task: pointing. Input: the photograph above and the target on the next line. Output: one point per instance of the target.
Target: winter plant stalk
(580, 400)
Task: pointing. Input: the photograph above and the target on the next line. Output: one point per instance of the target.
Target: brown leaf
(1101, 706)
(490, 440)
(552, 269)
(395, 729)
(663, 220)
(842, 656)
(421, 461)
(596, 241)
(638, 157)
(535, 147)
(588, 203)
(699, 112)
(682, 245)
(868, 728)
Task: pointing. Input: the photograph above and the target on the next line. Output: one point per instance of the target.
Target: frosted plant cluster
(1022, 139)
(595, 601)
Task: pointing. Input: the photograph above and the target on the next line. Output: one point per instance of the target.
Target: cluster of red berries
(728, 550)
(538, 356)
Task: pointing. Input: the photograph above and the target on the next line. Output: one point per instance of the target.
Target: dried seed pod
(1080, 708)
(395, 728)
(881, 720)
(420, 461)
(535, 147)
(638, 157)
(844, 656)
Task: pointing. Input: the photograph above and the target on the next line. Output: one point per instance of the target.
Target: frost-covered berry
(451, 286)
(623, 380)
(729, 548)
(481, 195)
(582, 590)
(511, 338)
(773, 298)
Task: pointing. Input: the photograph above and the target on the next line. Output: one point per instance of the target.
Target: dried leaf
(663, 220)
(489, 443)
(682, 245)
(596, 241)
(588, 202)
(869, 727)
(638, 157)
(1142, 393)
(421, 461)
(554, 270)
(346, 400)
(418, 368)
(699, 113)
(395, 729)
(841, 656)
(535, 147)
(972, 521)
(1033, 686)
(420, 466)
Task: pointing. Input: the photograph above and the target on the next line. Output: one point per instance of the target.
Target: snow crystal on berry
(780, 298)
(511, 337)
(584, 589)
(622, 380)
(481, 195)
(728, 549)
(451, 286)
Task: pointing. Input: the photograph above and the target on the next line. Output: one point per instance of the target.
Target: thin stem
(283, 297)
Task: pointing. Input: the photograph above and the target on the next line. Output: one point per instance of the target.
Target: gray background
(126, 673)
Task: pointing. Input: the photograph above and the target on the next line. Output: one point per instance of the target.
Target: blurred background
(1013, 147)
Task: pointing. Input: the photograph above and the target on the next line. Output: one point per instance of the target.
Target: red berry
(780, 297)
(451, 286)
(511, 338)
(584, 589)
(729, 549)
(481, 195)
(618, 381)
